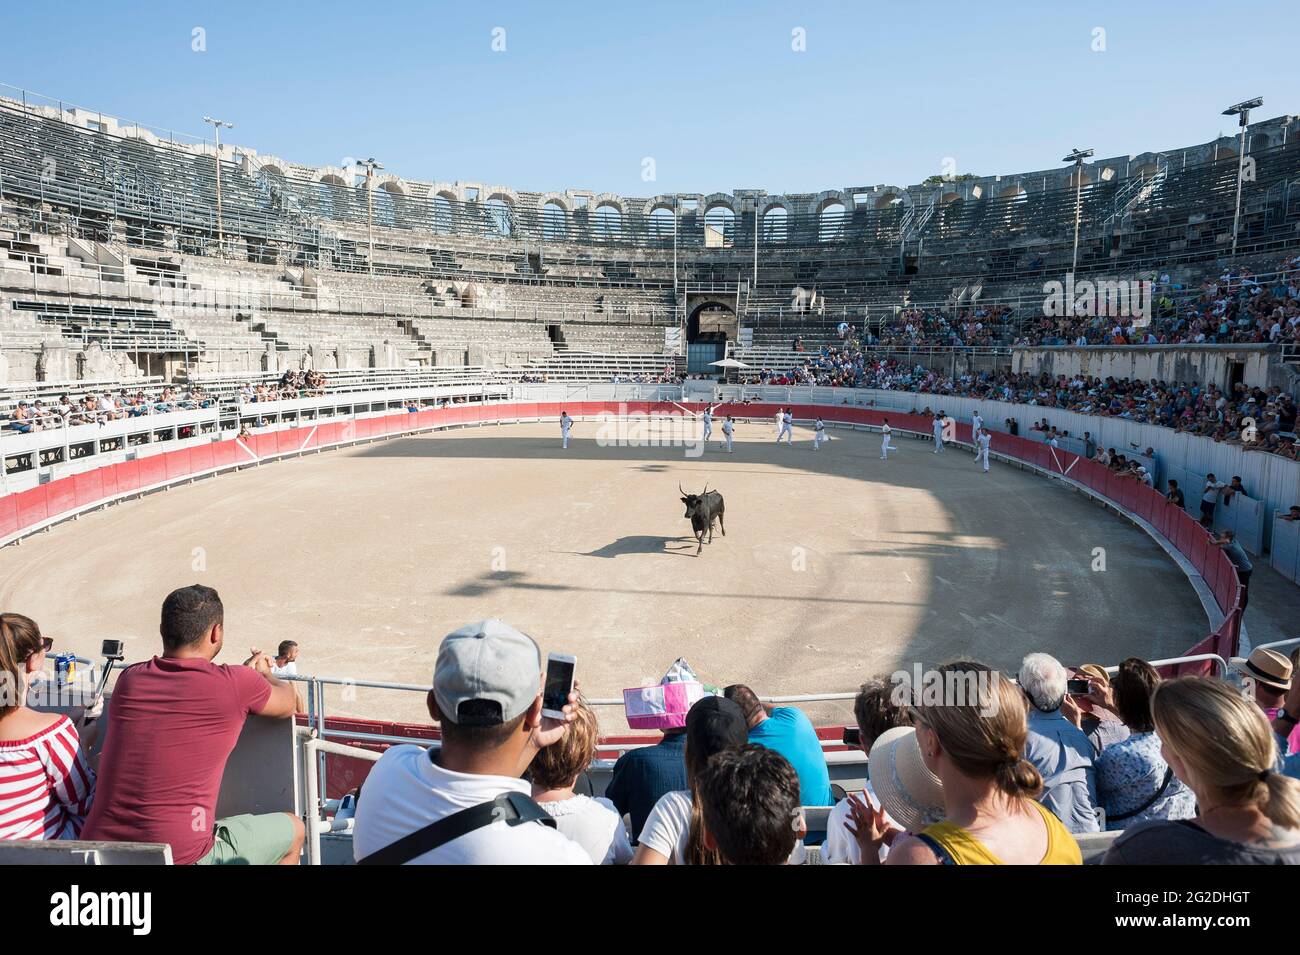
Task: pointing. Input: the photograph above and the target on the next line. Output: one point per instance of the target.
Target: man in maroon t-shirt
(172, 722)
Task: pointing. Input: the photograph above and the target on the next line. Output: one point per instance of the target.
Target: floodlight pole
(371, 165)
(216, 125)
(1242, 111)
(1077, 156)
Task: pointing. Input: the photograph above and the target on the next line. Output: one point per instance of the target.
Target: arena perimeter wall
(26, 512)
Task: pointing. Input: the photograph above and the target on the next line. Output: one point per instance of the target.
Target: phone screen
(1077, 687)
(559, 681)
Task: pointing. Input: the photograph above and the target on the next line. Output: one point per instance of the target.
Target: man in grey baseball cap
(487, 699)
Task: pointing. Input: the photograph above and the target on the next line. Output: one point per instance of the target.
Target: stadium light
(1242, 111)
(216, 125)
(1077, 156)
(371, 165)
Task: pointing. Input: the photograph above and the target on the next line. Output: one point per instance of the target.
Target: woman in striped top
(46, 783)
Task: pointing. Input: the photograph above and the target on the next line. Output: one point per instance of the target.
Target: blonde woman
(593, 824)
(974, 740)
(1220, 745)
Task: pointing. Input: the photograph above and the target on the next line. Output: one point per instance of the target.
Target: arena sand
(836, 566)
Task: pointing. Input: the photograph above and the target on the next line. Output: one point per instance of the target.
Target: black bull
(702, 510)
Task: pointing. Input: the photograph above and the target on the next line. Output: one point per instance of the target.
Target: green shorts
(251, 840)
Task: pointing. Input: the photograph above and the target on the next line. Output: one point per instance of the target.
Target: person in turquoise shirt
(786, 730)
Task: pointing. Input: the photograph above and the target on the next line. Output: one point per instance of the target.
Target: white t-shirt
(289, 669)
(595, 825)
(405, 792)
(668, 828)
(727, 427)
(840, 847)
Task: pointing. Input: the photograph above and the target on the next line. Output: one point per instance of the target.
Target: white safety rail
(318, 739)
(60, 449)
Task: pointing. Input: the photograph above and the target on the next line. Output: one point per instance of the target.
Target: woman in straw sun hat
(972, 739)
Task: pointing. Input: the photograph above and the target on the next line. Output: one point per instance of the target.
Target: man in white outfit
(938, 433)
(982, 443)
(780, 422)
(565, 424)
(787, 429)
(976, 426)
(885, 446)
(819, 435)
(708, 423)
(728, 427)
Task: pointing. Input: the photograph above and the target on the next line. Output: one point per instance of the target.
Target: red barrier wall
(66, 495)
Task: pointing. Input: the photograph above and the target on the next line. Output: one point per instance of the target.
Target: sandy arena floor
(837, 566)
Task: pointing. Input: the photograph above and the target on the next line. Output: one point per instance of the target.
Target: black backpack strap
(512, 808)
(1169, 778)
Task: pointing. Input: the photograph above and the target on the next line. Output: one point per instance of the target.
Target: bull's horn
(705, 491)
(679, 487)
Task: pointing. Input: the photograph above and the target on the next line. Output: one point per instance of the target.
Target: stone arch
(606, 221)
(775, 221)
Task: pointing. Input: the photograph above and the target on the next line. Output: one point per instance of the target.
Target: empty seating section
(111, 236)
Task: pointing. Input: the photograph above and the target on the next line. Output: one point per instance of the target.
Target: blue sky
(713, 92)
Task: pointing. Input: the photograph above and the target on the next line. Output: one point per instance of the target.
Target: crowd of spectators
(1258, 419)
(102, 407)
(1237, 307)
(976, 768)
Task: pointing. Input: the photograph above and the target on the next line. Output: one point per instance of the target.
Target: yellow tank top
(962, 848)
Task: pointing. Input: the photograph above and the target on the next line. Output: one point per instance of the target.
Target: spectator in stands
(286, 659)
(1293, 514)
(1227, 542)
(1134, 783)
(1221, 746)
(673, 833)
(788, 731)
(1099, 721)
(487, 699)
(876, 709)
(1056, 747)
(594, 824)
(1209, 499)
(749, 804)
(642, 776)
(973, 740)
(172, 724)
(46, 779)
(1267, 676)
(1175, 495)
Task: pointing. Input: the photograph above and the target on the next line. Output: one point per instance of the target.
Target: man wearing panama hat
(1268, 675)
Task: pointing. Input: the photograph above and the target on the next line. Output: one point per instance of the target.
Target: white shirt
(565, 422)
(405, 792)
(938, 427)
(787, 420)
(727, 427)
(819, 426)
(595, 825)
(289, 669)
(668, 828)
(976, 423)
(984, 440)
(840, 847)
